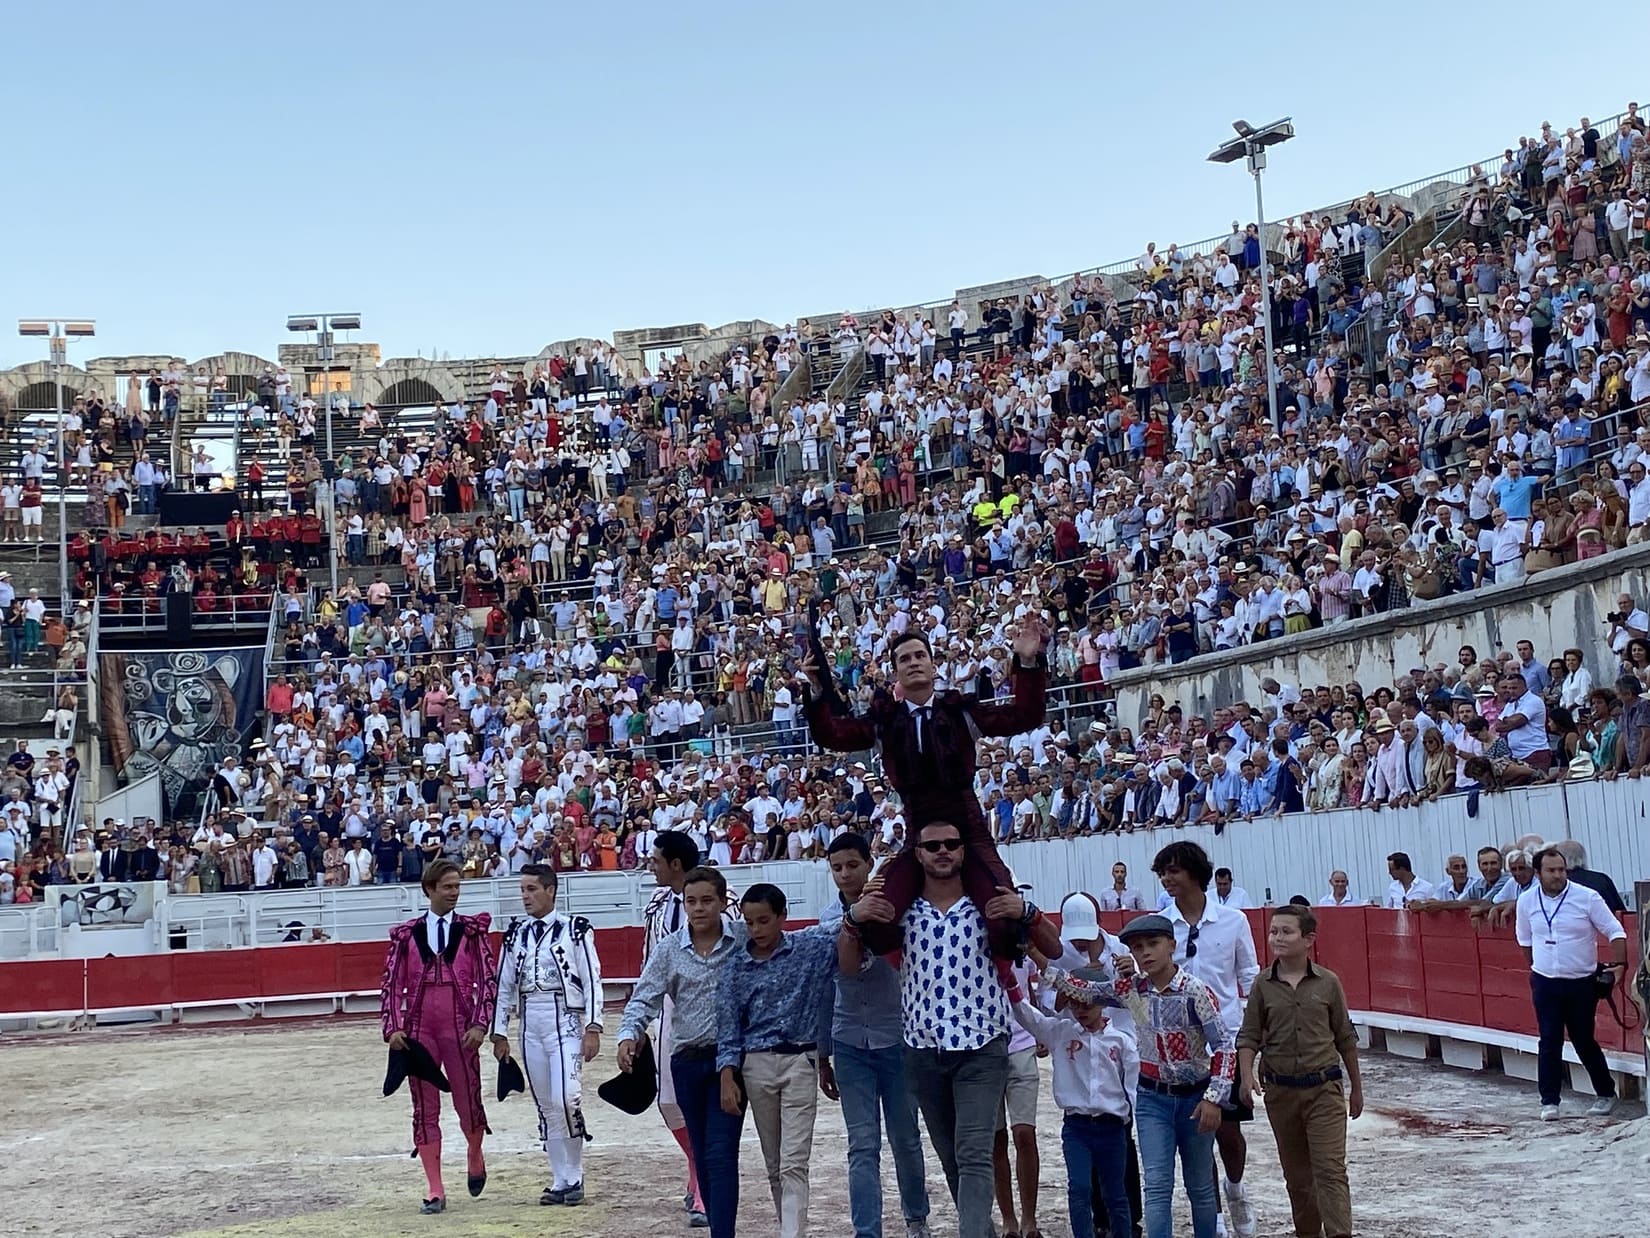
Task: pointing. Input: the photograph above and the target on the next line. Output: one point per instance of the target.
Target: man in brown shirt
(1296, 1021)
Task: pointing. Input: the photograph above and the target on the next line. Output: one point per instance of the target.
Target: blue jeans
(714, 1137)
(1166, 1126)
(872, 1083)
(1097, 1150)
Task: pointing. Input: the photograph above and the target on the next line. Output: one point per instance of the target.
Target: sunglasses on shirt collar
(1191, 941)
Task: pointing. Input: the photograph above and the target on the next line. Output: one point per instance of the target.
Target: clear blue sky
(485, 178)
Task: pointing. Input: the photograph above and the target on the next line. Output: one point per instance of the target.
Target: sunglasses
(1191, 941)
(936, 845)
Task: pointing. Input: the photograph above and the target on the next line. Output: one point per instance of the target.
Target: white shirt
(1532, 736)
(1560, 931)
(1225, 959)
(1420, 888)
(1094, 1072)
(1238, 899)
(436, 935)
(1126, 899)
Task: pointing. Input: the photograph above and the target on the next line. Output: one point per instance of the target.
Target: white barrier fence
(361, 913)
(1295, 854)
(1287, 855)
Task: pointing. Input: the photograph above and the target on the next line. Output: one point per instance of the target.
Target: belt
(694, 1053)
(1316, 1079)
(1096, 1119)
(784, 1046)
(1174, 1089)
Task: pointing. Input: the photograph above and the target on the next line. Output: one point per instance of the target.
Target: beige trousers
(784, 1091)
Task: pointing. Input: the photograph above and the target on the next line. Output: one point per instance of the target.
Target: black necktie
(923, 715)
(441, 934)
(538, 932)
(675, 914)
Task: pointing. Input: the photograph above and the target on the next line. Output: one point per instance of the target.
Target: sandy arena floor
(278, 1129)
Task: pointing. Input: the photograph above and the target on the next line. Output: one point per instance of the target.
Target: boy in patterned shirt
(1187, 1066)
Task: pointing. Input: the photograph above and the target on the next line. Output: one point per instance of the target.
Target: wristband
(1029, 916)
(848, 920)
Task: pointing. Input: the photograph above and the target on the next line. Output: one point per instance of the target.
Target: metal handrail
(234, 611)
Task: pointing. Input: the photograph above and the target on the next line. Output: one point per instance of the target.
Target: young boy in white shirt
(1096, 1073)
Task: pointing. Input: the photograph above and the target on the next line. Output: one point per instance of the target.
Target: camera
(1616, 616)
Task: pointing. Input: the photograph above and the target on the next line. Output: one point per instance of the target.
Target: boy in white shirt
(1096, 1072)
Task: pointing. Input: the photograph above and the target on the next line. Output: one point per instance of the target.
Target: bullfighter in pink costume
(440, 989)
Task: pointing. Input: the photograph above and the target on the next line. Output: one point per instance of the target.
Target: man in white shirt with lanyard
(1559, 923)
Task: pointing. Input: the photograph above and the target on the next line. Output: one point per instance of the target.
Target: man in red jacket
(927, 740)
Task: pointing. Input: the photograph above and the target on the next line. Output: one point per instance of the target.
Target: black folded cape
(634, 1092)
(509, 1078)
(414, 1060)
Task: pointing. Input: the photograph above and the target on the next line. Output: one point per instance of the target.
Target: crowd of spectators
(35, 797)
(603, 576)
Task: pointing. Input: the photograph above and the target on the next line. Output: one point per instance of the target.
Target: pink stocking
(693, 1172)
(476, 1165)
(429, 1155)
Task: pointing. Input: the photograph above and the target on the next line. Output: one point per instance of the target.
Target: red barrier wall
(42, 984)
(1435, 966)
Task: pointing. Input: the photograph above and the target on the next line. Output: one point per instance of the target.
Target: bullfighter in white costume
(550, 976)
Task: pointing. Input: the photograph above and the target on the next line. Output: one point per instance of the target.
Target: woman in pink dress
(418, 504)
(440, 987)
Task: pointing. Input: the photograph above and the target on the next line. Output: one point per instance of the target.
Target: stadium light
(323, 325)
(1250, 144)
(58, 330)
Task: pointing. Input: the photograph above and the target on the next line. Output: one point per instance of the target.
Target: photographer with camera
(1627, 622)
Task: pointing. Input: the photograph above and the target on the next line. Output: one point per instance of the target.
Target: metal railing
(234, 612)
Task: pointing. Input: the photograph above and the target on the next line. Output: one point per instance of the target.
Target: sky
(483, 179)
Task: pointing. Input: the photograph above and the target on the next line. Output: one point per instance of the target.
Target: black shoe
(477, 1183)
(573, 1194)
(553, 1196)
(432, 1206)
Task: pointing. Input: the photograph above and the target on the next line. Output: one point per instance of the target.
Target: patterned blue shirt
(862, 1011)
(950, 997)
(761, 1003)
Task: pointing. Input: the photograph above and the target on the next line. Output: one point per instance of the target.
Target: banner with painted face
(180, 713)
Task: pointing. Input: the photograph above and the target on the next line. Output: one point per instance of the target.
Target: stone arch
(41, 397)
(36, 374)
(241, 369)
(429, 382)
(409, 391)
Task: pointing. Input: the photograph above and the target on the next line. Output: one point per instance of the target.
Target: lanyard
(1541, 905)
